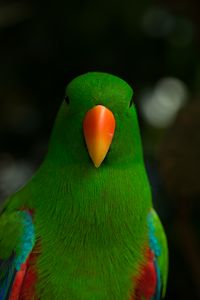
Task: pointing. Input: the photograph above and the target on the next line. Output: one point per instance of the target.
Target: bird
(84, 226)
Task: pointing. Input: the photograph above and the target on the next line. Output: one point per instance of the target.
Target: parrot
(84, 227)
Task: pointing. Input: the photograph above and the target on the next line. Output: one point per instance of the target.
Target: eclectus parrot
(83, 228)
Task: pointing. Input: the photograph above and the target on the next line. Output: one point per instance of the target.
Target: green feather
(91, 222)
(11, 229)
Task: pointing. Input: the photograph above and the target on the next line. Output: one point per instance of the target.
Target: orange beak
(98, 128)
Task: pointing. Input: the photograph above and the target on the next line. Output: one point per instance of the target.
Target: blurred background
(154, 45)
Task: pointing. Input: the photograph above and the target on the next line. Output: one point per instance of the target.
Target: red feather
(28, 288)
(15, 292)
(146, 281)
(24, 283)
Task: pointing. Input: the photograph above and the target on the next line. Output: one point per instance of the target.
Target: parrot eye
(131, 102)
(66, 99)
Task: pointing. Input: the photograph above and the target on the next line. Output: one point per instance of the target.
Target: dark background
(154, 45)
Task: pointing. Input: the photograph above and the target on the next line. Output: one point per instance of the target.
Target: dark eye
(66, 99)
(131, 102)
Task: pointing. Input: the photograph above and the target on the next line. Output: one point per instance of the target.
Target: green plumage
(91, 223)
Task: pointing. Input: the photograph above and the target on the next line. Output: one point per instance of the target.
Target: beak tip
(96, 165)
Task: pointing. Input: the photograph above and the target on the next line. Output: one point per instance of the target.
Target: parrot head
(97, 122)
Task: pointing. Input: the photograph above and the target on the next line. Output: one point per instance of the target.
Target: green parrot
(83, 228)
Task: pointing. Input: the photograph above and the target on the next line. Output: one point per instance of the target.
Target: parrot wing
(158, 245)
(152, 279)
(13, 262)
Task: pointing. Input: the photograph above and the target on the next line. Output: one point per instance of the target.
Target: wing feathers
(13, 269)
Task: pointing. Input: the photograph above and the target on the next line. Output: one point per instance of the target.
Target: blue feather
(155, 247)
(158, 284)
(28, 240)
